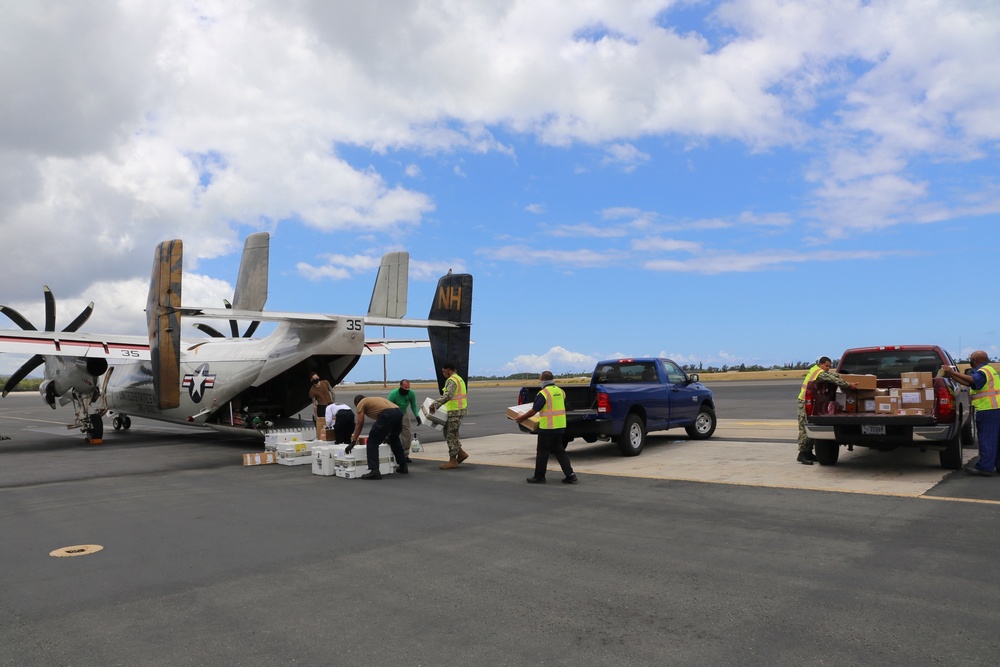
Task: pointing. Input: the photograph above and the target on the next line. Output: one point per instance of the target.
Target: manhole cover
(78, 550)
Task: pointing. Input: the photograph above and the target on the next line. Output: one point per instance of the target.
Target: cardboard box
(921, 380)
(259, 458)
(917, 398)
(328, 435)
(865, 382)
(866, 405)
(886, 405)
(915, 411)
(515, 411)
(435, 420)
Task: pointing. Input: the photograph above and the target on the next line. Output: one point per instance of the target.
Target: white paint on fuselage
(215, 370)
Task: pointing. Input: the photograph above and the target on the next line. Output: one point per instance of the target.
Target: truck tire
(704, 424)
(827, 452)
(633, 436)
(951, 456)
(969, 432)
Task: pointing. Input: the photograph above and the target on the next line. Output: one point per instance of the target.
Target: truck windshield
(890, 363)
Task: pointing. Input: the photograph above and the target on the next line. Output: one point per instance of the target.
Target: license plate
(873, 429)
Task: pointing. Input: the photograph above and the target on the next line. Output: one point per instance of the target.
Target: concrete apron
(751, 453)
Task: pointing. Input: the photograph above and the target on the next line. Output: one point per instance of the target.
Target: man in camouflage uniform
(820, 372)
(456, 402)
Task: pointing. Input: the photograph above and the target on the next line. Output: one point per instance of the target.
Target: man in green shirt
(405, 398)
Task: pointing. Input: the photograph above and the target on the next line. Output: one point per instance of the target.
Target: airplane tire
(96, 431)
(117, 423)
(126, 422)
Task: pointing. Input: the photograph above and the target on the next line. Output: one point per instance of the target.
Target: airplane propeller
(50, 325)
(234, 327)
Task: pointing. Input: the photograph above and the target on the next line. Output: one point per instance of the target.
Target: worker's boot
(450, 465)
(462, 455)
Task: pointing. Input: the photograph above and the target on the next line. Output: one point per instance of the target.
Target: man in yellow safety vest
(983, 382)
(820, 372)
(550, 406)
(455, 400)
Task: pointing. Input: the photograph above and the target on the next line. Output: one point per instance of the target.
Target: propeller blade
(251, 329)
(22, 373)
(17, 318)
(208, 329)
(234, 328)
(50, 310)
(81, 318)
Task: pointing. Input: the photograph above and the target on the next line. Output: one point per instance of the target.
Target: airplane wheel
(126, 422)
(117, 423)
(96, 431)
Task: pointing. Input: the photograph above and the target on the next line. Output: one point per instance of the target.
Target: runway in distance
(225, 382)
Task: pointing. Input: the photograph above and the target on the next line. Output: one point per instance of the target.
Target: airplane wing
(277, 316)
(65, 344)
(383, 346)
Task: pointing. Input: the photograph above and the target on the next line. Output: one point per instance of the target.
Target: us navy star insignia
(196, 383)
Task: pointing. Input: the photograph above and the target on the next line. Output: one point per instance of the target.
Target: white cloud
(624, 156)
(536, 209)
(557, 359)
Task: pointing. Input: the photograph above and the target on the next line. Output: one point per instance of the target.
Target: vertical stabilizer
(389, 295)
(164, 322)
(251, 285)
(452, 302)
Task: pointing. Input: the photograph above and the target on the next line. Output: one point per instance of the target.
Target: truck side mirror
(693, 377)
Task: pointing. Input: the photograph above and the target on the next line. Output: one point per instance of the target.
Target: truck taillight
(945, 403)
(603, 403)
(809, 401)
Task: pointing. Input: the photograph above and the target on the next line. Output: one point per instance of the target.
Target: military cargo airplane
(230, 384)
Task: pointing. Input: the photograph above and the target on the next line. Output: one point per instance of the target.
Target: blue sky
(719, 182)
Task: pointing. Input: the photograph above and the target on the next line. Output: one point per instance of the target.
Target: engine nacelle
(68, 374)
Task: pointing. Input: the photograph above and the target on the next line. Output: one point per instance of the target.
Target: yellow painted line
(788, 423)
(977, 501)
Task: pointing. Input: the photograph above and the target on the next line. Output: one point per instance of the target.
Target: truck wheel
(704, 424)
(633, 436)
(969, 433)
(951, 456)
(827, 452)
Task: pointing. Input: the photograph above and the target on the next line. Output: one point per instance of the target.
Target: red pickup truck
(946, 428)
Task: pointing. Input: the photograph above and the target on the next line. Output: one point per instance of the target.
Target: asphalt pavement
(204, 561)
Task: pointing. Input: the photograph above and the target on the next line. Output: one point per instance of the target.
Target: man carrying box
(984, 385)
(456, 401)
(550, 406)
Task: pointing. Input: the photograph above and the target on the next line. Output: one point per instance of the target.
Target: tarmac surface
(722, 551)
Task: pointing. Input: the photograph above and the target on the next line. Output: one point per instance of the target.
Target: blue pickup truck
(628, 398)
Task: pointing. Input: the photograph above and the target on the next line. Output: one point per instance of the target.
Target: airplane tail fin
(163, 319)
(251, 285)
(452, 302)
(389, 294)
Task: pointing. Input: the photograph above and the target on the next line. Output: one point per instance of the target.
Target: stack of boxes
(916, 394)
(334, 461)
(914, 397)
